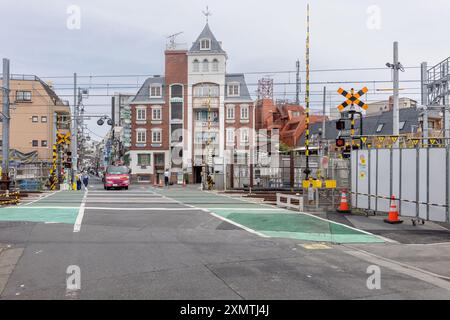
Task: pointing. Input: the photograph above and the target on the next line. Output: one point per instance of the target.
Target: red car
(116, 177)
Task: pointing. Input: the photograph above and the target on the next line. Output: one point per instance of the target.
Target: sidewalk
(8, 260)
(433, 258)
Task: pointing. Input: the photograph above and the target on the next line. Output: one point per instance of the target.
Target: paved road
(182, 243)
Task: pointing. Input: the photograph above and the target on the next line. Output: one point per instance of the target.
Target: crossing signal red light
(340, 142)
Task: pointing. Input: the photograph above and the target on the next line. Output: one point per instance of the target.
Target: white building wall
(216, 77)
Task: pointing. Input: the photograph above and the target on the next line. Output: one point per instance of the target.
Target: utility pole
(113, 118)
(323, 112)
(75, 130)
(297, 84)
(307, 170)
(5, 128)
(424, 101)
(396, 114)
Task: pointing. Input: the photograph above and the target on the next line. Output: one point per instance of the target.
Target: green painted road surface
(269, 220)
(59, 207)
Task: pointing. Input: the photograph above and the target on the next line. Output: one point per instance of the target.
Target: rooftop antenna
(172, 45)
(207, 13)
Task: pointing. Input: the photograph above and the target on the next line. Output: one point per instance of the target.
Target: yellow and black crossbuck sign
(353, 98)
(63, 138)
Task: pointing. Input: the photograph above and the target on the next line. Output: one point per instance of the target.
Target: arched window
(215, 65)
(205, 65)
(196, 65)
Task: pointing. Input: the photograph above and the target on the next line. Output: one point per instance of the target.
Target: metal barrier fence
(418, 178)
(286, 176)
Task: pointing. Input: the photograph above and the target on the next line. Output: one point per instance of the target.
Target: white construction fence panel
(419, 178)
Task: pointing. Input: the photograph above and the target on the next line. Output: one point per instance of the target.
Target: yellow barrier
(329, 184)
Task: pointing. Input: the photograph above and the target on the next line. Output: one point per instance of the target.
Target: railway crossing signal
(63, 138)
(352, 98)
(340, 142)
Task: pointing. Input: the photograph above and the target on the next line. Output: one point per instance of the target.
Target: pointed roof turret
(214, 45)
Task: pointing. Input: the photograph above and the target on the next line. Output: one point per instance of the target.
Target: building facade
(196, 117)
(37, 114)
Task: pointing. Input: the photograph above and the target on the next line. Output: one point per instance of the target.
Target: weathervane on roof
(207, 13)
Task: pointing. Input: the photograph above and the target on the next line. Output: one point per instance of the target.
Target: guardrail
(288, 203)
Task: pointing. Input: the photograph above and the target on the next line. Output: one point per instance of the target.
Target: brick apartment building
(196, 101)
(289, 120)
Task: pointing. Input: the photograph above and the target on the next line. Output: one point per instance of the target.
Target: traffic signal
(340, 125)
(340, 142)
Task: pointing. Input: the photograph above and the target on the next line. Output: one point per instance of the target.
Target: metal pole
(424, 98)
(307, 170)
(423, 81)
(297, 84)
(324, 137)
(5, 128)
(113, 118)
(75, 130)
(395, 127)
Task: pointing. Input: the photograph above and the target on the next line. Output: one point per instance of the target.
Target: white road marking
(41, 198)
(45, 207)
(139, 209)
(77, 226)
(218, 217)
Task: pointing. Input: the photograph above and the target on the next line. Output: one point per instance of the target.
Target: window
(244, 135)
(380, 127)
(141, 136)
(206, 90)
(155, 91)
(176, 91)
(176, 133)
(35, 119)
(196, 66)
(431, 124)
(203, 137)
(176, 110)
(230, 112)
(144, 159)
(402, 125)
(156, 136)
(203, 115)
(244, 112)
(23, 95)
(205, 67)
(233, 89)
(230, 135)
(35, 143)
(205, 44)
(215, 65)
(296, 114)
(141, 113)
(44, 119)
(156, 113)
(44, 143)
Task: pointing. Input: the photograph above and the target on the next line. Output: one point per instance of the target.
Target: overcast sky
(118, 37)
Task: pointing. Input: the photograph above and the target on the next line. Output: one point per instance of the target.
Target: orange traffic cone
(343, 207)
(155, 182)
(161, 184)
(393, 213)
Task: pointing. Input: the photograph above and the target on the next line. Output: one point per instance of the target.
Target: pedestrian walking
(78, 180)
(85, 180)
(166, 177)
